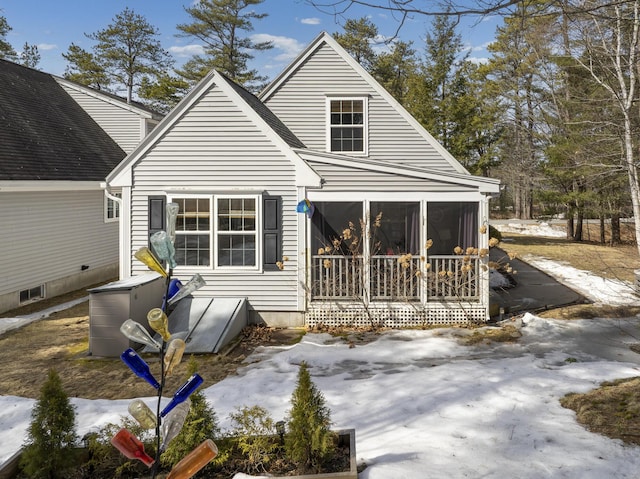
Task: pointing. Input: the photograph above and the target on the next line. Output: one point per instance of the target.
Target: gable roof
(326, 39)
(252, 107)
(45, 134)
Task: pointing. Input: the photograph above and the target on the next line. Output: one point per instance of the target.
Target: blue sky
(53, 25)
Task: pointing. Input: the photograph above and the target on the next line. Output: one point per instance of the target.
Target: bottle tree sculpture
(167, 421)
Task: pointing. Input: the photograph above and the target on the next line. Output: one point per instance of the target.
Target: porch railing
(395, 278)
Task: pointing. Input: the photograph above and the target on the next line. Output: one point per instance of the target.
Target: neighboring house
(325, 136)
(58, 141)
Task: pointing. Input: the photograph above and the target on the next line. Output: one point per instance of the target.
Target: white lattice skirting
(395, 316)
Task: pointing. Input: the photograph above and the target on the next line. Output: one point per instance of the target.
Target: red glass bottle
(131, 447)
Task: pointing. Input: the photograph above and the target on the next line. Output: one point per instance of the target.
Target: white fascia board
(293, 66)
(122, 174)
(48, 185)
(485, 185)
(319, 195)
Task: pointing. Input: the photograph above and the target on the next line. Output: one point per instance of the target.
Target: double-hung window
(222, 230)
(236, 232)
(347, 125)
(193, 231)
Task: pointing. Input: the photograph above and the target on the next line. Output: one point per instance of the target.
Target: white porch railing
(395, 278)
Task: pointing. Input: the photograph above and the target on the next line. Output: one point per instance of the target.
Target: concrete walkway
(534, 290)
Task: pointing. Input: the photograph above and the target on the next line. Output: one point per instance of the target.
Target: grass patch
(591, 311)
(617, 262)
(503, 334)
(612, 410)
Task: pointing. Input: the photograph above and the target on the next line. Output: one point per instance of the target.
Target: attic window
(347, 125)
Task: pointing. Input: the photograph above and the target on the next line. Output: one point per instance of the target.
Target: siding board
(300, 103)
(215, 148)
(51, 235)
(122, 125)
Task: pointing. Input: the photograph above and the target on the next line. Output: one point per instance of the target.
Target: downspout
(118, 200)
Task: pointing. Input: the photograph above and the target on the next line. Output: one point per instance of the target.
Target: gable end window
(347, 125)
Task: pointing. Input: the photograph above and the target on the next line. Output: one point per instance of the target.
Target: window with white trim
(236, 233)
(193, 231)
(228, 241)
(111, 208)
(347, 125)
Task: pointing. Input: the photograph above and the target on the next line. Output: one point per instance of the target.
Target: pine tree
(84, 68)
(394, 70)
(51, 436)
(30, 56)
(220, 24)
(201, 423)
(6, 50)
(309, 441)
(129, 49)
(357, 39)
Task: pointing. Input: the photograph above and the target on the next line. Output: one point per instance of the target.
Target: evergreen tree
(128, 50)
(163, 94)
(201, 423)
(357, 39)
(395, 70)
(309, 440)
(220, 25)
(84, 68)
(514, 79)
(30, 56)
(6, 50)
(51, 436)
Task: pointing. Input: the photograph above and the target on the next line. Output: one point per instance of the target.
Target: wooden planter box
(345, 436)
(9, 469)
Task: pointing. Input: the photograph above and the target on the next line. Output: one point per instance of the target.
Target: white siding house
(58, 141)
(326, 135)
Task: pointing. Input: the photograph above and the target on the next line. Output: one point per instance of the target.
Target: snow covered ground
(425, 406)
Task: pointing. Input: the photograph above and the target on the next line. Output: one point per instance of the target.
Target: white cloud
(479, 60)
(310, 21)
(186, 50)
(47, 46)
(289, 47)
(480, 48)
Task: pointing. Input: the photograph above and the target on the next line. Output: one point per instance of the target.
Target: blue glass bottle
(138, 366)
(183, 393)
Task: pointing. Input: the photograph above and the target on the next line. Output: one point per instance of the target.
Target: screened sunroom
(397, 263)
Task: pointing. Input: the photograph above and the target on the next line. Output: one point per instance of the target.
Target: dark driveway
(534, 290)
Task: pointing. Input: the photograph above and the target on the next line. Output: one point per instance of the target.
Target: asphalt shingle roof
(45, 134)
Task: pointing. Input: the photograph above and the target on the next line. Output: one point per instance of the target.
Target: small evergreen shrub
(309, 442)
(201, 423)
(254, 430)
(50, 447)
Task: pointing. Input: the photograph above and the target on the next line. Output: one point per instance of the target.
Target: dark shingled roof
(45, 134)
(267, 115)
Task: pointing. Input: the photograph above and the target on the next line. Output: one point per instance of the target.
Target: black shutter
(157, 215)
(272, 231)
